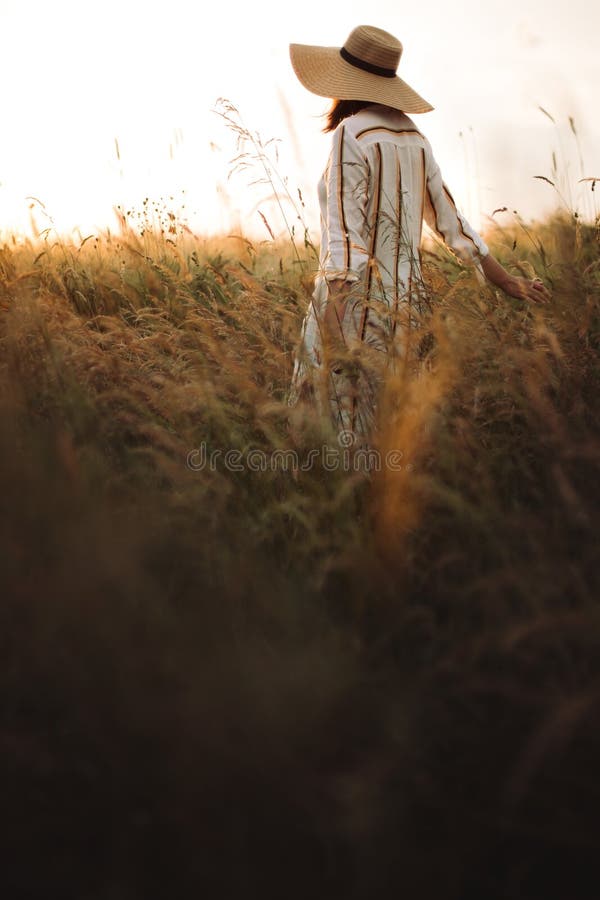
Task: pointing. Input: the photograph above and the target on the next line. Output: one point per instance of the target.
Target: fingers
(531, 289)
(537, 291)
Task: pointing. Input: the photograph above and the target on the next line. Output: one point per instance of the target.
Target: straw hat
(363, 69)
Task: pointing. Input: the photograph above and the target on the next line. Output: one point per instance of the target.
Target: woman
(381, 181)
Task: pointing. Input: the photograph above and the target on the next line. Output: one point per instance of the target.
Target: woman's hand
(527, 289)
(335, 309)
(522, 288)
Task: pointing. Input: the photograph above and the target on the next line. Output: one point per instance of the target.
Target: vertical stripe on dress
(374, 226)
(340, 198)
(434, 211)
(424, 177)
(371, 262)
(422, 213)
(460, 225)
(398, 239)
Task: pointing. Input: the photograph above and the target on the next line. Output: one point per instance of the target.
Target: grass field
(226, 682)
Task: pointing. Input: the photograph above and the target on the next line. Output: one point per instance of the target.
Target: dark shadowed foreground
(253, 683)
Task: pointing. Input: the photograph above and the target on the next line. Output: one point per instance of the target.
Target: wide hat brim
(322, 71)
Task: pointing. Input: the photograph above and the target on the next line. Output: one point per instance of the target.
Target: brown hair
(340, 109)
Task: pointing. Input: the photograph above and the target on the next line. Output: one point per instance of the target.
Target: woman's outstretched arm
(523, 288)
(442, 215)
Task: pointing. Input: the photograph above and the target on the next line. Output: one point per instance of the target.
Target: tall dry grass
(317, 682)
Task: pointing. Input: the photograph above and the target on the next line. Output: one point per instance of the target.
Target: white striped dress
(381, 181)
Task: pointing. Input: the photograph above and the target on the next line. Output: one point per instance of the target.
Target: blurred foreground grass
(255, 683)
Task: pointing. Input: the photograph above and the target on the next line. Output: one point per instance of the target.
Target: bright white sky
(76, 76)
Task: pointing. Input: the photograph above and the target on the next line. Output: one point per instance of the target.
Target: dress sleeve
(346, 181)
(443, 217)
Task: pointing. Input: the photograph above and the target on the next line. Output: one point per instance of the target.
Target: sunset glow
(109, 105)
